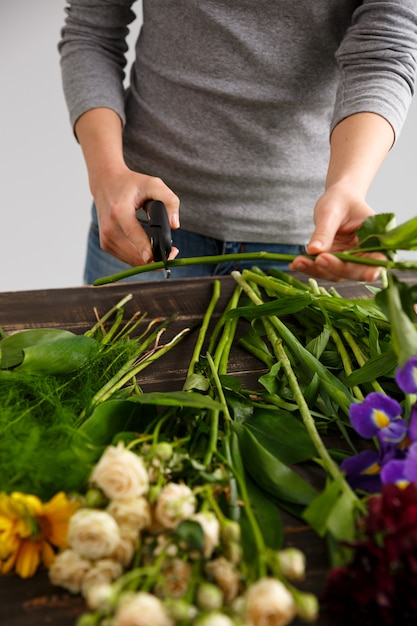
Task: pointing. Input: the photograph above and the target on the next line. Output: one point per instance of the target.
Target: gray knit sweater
(232, 102)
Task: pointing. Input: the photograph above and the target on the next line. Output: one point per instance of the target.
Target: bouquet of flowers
(173, 515)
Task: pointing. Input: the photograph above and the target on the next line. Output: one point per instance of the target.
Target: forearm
(99, 132)
(358, 146)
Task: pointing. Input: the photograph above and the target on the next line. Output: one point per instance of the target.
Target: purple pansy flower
(378, 415)
(406, 376)
(363, 471)
(401, 472)
(393, 472)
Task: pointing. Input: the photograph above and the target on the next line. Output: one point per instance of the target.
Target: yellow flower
(31, 529)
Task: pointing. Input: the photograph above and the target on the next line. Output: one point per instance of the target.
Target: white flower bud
(93, 534)
(214, 619)
(292, 563)
(307, 606)
(163, 450)
(175, 503)
(100, 597)
(209, 597)
(142, 609)
(120, 473)
(180, 610)
(68, 570)
(268, 601)
(211, 528)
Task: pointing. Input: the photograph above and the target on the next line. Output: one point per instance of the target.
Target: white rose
(120, 473)
(175, 503)
(104, 571)
(269, 603)
(175, 579)
(211, 529)
(93, 534)
(125, 551)
(226, 576)
(68, 570)
(134, 513)
(142, 609)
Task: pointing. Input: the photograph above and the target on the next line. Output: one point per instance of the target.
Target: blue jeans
(100, 263)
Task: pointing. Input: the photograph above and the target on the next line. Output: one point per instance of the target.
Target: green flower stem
(347, 364)
(203, 329)
(244, 496)
(119, 306)
(254, 256)
(215, 415)
(359, 356)
(341, 349)
(221, 356)
(328, 463)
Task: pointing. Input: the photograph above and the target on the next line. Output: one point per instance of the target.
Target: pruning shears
(159, 231)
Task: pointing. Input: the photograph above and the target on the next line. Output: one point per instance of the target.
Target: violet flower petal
(394, 473)
(373, 414)
(406, 376)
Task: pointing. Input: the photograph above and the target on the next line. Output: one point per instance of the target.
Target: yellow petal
(48, 555)
(28, 559)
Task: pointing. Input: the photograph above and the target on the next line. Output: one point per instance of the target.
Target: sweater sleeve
(92, 55)
(377, 60)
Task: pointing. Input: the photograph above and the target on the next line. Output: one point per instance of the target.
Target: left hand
(337, 215)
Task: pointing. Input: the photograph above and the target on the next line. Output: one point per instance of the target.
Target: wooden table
(35, 602)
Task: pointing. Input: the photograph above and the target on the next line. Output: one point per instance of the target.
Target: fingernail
(175, 221)
(315, 245)
(146, 256)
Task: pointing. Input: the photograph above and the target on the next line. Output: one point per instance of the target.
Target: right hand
(118, 191)
(117, 198)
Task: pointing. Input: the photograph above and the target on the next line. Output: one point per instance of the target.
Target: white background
(44, 194)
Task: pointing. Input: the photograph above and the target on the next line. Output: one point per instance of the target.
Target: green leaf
(317, 345)
(108, 419)
(281, 434)
(59, 356)
(263, 506)
(270, 473)
(253, 343)
(197, 382)
(241, 407)
(270, 380)
(269, 519)
(12, 347)
(376, 367)
(281, 306)
(179, 399)
(191, 533)
(333, 510)
(373, 227)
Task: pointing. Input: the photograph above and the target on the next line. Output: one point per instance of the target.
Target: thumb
(322, 238)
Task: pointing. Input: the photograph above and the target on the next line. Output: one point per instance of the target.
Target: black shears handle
(159, 229)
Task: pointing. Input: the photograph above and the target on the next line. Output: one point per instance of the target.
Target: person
(261, 125)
